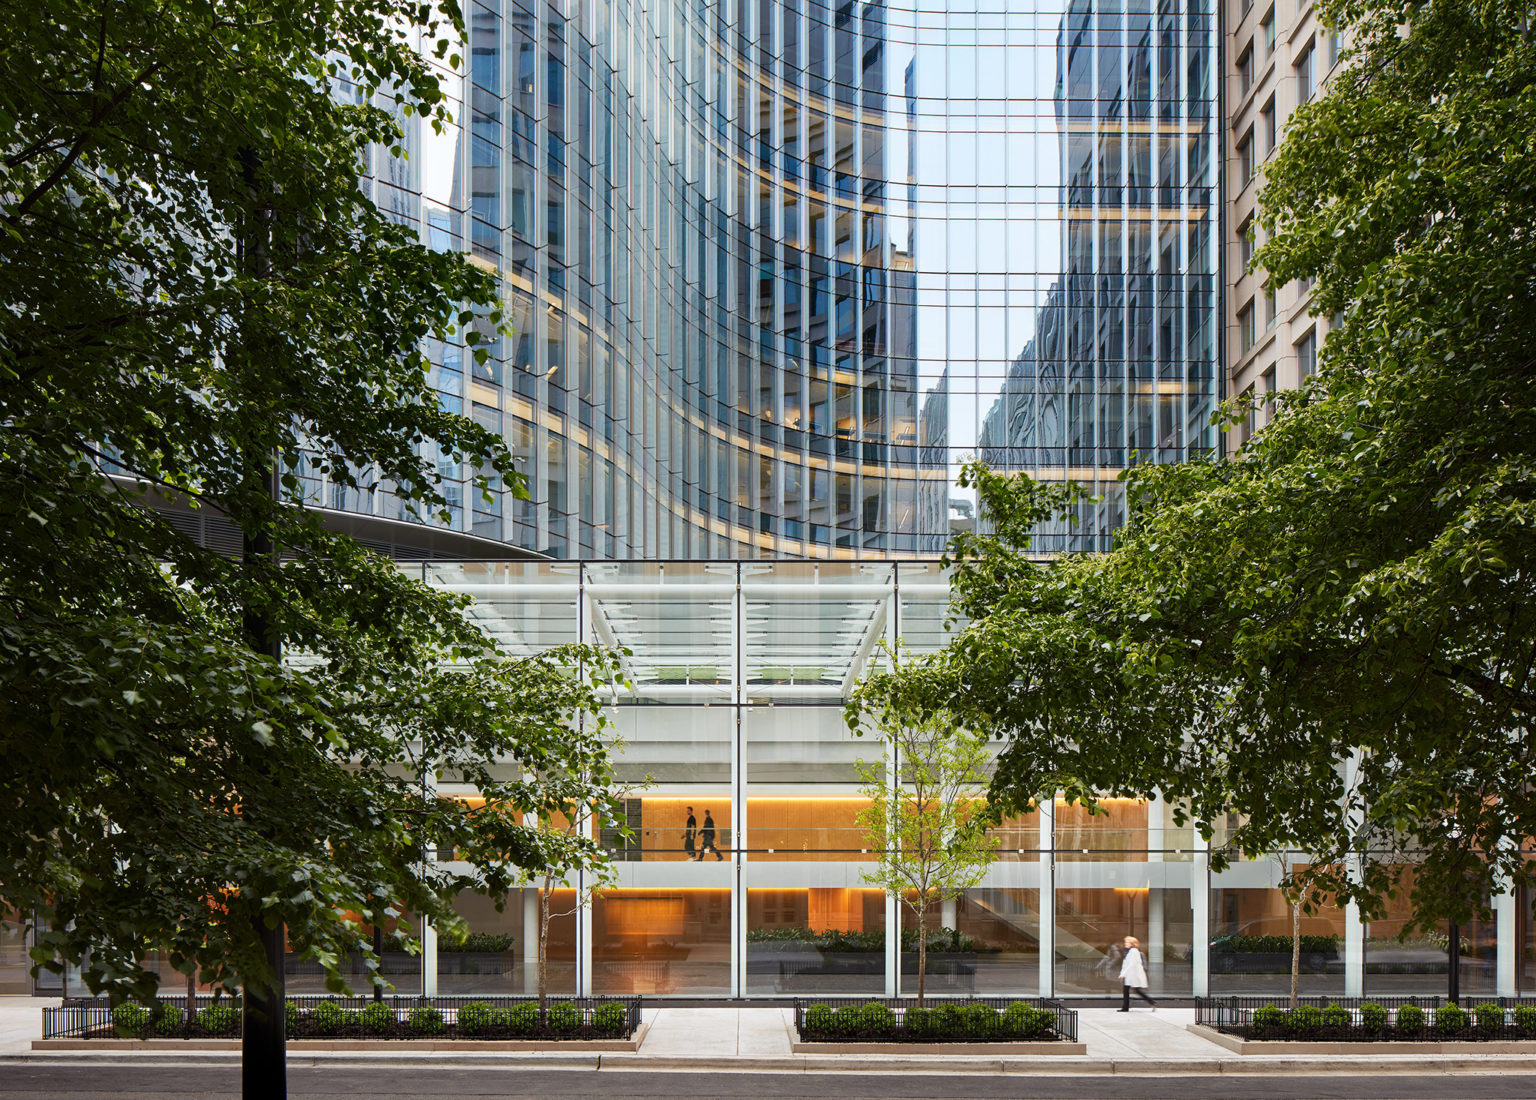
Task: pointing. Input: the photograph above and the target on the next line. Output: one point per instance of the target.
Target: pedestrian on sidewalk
(707, 837)
(1133, 975)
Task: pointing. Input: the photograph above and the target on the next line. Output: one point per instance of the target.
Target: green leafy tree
(928, 828)
(213, 755)
(1335, 634)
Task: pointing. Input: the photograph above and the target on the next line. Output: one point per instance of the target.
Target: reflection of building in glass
(1121, 366)
(772, 262)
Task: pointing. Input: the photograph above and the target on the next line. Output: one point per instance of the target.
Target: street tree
(1335, 634)
(217, 756)
(927, 819)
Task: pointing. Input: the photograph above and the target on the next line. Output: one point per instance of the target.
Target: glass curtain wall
(775, 267)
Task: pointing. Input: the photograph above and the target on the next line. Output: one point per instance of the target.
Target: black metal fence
(1369, 1019)
(900, 1020)
(360, 1017)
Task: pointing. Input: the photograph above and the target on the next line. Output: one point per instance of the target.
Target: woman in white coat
(1133, 975)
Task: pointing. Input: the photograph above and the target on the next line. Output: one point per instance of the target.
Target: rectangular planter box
(397, 1046)
(958, 1049)
(1287, 1046)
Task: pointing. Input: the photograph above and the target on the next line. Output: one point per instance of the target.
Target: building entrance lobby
(740, 671)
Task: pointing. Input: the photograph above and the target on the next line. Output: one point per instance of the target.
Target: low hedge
(946, 1021)
(1371, 1021)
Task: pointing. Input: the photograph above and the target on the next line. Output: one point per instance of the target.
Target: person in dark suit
(707, 837)
(690, 830)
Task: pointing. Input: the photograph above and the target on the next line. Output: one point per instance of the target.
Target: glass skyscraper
(777, 267)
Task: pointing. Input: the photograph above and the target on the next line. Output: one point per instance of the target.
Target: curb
(1074, 1066)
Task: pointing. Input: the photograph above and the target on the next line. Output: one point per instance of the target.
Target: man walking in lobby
(690, 830)
(707, 837)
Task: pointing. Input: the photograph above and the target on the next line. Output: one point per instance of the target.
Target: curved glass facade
(776, 267)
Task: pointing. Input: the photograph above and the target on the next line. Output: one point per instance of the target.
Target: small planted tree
(926, 820)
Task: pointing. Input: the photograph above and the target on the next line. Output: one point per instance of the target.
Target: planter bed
(299, 1046)
(1322, 1045)
(356, 1023)
(972, 1026)
(1360, 1026)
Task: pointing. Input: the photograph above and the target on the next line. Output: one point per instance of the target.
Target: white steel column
(1047, 936)
(583, 939)
(738, 798)
(893, 901)
(1200, 908)
(1354, 951)
(1154, 951)
(530, 941)
(428, 959)
(1506, 915)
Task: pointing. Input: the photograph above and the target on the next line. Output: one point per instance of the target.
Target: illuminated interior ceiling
(694, 631)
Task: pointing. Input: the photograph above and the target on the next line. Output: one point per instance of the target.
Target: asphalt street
(59, 1080)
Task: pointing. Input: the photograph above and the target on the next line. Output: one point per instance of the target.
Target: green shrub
(520, 1019)
(918, 1021)
(1410, 1019)
(818, 1019)
(168, 1020)
(1024, 1021)
(611, 1018)
(948, 1020)
(564, 1018)
(130, 1021)
(981, 1021)
(1525, 1019)
(492, 942)
(291, 1016)
(1267, 1017)
(426, 1020)
(1450, 1019)
(1304, 1020)
(328, 1017)
(476, 1018)
(1335, 1016)
(1490, 1017)
(219, 1019)
(1373, 1017)
(848, 1020)
(377, 1019)
(877, 1019)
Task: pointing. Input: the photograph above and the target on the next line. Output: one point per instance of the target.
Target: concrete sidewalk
(758, 1039)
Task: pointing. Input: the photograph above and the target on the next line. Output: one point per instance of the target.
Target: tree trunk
(1295, 949)
(544, 948)
(922, 950)
(191, 997)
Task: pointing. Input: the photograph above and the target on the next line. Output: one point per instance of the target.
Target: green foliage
(520, 1019)
(476, 1018)
(1268, 1017)
(981, 1021)
(219, 1019)
(818, 1019)
(848, 1020)
(564, 1018)
(1450, 1019)
(1525, 1019)
(1490, 1017)
(1310, 945)
(488, 942)
(1335, 1016)
(1304, 1020)
(1023, 1021)
(377, 1019)
(948, 1020)
(292, 1014)
(329, 1018)
(1373, 1017)
(130, 1021)
(929, 830)
(426, 1020)
(877, 1019)
(200, 299)
(168, 1020)
(919, 1021)
(610, 1019)
(826, 940)
(1410, 1019)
